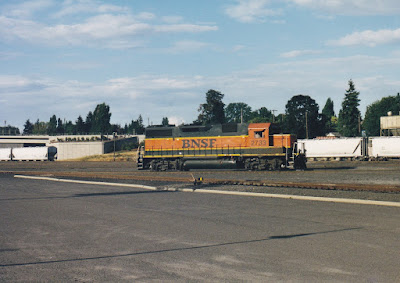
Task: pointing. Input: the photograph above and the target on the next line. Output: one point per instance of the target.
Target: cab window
(259, 134)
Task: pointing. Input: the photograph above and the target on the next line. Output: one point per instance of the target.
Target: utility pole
(241, 115)
(273, 115)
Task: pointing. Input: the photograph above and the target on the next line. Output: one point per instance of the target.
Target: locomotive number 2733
(258, 143)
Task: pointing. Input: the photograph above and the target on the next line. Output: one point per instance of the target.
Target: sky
(158, 58)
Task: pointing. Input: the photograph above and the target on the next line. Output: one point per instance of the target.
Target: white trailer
(5, 154)
(384, 147)
(333, 148)
(40, 153)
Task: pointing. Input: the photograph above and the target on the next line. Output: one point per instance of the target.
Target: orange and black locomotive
(255, 146)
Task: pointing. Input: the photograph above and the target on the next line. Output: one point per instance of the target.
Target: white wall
(73, 150)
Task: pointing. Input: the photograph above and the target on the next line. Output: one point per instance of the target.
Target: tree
(329, 116)
(116, 128)
(139, 125)
(234, 112)
(60, 127)
(349, 116)
(212, 112)
(28, 128)
(52, 125)
(40, 128)
(89, 122)
(328, 110)
(101, 119)
(302, 118)
(80, 125)
(380, 108)
(135, 127)
(262, 115)
(165, 121)
(70, 128)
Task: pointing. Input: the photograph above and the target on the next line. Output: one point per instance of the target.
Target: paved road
(52, 231)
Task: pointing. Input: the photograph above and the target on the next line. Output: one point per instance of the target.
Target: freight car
(256, 146)
(39, 153)
(357, 148)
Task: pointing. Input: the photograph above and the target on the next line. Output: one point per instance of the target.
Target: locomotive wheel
(275, 164)
(252, 164)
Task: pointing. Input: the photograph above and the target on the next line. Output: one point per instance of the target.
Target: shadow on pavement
(279, 237)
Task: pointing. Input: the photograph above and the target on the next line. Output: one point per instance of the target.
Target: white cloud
(174, 120)
(352, 7)
(238, 48)
(72, 7)
(297, 53)
(184, 28)
(20, 84)
(96, 25)
(368, 37)
(248, 11)
(26, 9)
(106, 30)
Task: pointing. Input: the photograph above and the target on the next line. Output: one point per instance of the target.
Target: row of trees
(97, 122)
(302, 117)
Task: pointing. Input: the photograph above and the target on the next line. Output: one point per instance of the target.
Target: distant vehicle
(256, 146)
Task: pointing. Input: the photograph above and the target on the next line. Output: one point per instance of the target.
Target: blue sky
(159, 58)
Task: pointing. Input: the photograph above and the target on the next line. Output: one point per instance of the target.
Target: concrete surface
(73, 232)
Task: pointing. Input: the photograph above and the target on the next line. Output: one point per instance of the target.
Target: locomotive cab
(262, 134)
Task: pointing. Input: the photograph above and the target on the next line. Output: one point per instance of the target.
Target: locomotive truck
(254, 146)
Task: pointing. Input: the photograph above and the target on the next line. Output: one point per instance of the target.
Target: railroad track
(189, 179)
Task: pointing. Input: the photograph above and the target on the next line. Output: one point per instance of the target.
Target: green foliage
(135, 127)
(60, 127)
(129, 146)
(262, 115)
(298, 122)
(328, 114)
(28, 128)
(80, 125)
(52, 126)
(328, 110)
(235, 111)
(70, 128)
(101, 119)
(349, 115)
(212, 112)
(116, 128)
(39, 128)
(89, 122)
(378, 109)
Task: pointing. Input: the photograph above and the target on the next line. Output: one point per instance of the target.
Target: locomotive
(254, 146)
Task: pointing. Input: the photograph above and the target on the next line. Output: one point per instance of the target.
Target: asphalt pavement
(52, 231)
